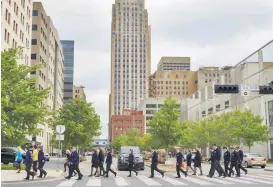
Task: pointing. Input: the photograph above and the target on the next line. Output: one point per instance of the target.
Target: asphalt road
(256, 178)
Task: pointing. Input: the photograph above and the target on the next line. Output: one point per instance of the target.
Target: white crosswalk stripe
(143, 180)
(217, 180)
(67, 183)
(195, 180)
(94, 182)
(121, 181)
(172, 181)
(148, 181)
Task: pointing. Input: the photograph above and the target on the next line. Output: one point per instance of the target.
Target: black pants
(101, 168)
(131, 168)
(42, 171)
(241, 167)
(35, 166)
(66, 164)
(76, 167)
(178, 169)
(226, 164)
(29, 173)
(219, 168)
(155, 168)
(19, 165)
(108, 168)
(212, 168)
(232, 165)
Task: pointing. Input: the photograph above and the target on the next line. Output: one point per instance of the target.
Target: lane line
(121, 181)
(170, 180)
(67, 183)
(94, 182)
(148, 181)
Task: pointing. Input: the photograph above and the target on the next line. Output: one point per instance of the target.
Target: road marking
(121, 181)
(148, 181)
(94, 182)
(260, 177)
(238, 180)
(257, 180)
(67, 183)
(216, 180)
(265, 175)
(170, 180)
(195, 180)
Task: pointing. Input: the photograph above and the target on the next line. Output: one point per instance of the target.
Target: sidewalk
(12, 176)
(268, 169)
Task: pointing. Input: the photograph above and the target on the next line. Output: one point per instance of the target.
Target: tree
(166, 125)
(248, 127)
(21, 101)
(80, 120)
(119, 141)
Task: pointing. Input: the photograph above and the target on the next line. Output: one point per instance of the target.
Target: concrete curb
(268, 169)
(32, 181)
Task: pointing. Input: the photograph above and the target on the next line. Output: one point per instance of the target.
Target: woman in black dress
(189, 161)
(197, 162)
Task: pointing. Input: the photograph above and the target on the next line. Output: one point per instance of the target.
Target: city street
(256, 177)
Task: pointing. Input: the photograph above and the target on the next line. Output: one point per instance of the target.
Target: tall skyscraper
(16, 24)
(130, 55)
(68, 49)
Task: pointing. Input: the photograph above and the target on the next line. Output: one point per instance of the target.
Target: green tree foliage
(225, 129)
(166, 125)
(80, 120)
(21, 108)
(132, 138)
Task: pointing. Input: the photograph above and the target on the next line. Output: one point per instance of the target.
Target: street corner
(11, 177)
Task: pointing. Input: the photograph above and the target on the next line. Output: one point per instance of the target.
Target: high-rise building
(16, 27)
(130, 54)
(174, 63)
(46, 49)
(68, 50)
(176, 84)
(78, 91)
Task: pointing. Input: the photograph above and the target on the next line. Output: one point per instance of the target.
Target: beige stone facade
(16, 24)
(174, 64)
(130, 54)
(78, 91)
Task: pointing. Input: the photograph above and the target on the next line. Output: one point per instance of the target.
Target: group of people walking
(72, 162)
(34, 159)
(231, 159)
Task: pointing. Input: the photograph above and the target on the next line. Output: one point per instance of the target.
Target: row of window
(170, 93)
(170, 82)
(170, 87)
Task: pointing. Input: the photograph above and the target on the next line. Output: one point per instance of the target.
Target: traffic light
(266, 89)
(226, 89)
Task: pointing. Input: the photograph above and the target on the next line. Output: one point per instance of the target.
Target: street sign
(60, 137)
(245, 90)
(60, 129)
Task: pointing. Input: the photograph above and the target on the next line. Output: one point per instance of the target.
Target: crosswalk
(168, 180)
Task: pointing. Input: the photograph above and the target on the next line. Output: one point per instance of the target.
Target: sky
(211, 32)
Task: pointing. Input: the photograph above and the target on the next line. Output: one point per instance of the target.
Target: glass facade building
(68, 50)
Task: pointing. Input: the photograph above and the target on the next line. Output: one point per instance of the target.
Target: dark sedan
(123, 158)
(8, 155)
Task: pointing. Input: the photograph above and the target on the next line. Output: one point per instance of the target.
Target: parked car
(47, 156)
(254, 159)
(8, 155)
(123, 158)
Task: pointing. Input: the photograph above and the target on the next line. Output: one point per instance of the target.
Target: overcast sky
(211, 32)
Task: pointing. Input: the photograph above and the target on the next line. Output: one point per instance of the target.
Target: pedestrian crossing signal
(226, 89)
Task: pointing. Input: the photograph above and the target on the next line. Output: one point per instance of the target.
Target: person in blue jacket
(218, 166)
(101, 162)
(75, 164)
(95, 163)
(179, 159)
(41, 162)
(109, 163)
(131, 163)
(28, 162)
(241, 156)
(154, 165)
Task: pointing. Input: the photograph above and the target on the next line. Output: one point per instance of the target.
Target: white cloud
(211, 32)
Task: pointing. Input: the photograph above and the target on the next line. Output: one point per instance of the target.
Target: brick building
(121, 124)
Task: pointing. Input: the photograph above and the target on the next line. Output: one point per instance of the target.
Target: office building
(174, 64)
(254, 70)
(16, 24)
(122, 124)
(176, 84)
(46, 49)
(78, 91)
(130, 54)
(68, 50)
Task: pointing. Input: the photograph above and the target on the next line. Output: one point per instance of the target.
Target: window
(34, 27)
(35, 13)
(34, 42)
(33, 56)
